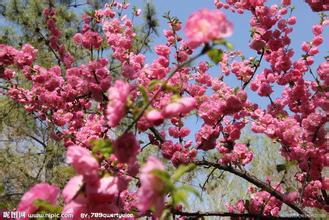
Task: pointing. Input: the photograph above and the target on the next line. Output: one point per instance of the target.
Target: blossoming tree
(104, 110)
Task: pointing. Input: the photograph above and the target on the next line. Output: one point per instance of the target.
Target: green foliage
(2, 188)
(165, 177)
(27, 155)
(147, 29)
(285, 166)
(142, 90)
(224, 43)
(14, 119)
(103, 147)
(61, 174)
(190, 189)
(216, 55)
(178, 194)
(28, 26)
(181, 170)
(154, 83)
(45, 207)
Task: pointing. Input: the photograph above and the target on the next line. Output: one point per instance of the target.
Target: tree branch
(255, 70)
(254, 180)
(157, 135)
(203, 187)
(325, 196)
(198, 215)
(37, 140)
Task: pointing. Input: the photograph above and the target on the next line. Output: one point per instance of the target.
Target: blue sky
(183, 8)
(240, 38)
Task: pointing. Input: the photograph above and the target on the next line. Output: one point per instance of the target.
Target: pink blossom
(8, 74)
(205, 25)
(179, 132)
(318, 40)
(7, 54)
(150, 193)
(323, 71)
(80, 104)
(83, 161)
(26, 56)
(168, 149)
(42, 191)
(72, 188)
(317, 29)
(162, 50)
(155, 117)
(318, 5)
(137, 12)
(206, 137)
(75, 208)
(126, 148)
(88, 39)
(291, 196)
(106, 189)
(182, 106)
(117, 96)
(286, 2)
(239, 155)
(257, 45)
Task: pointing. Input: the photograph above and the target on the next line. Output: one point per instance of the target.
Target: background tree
(28, 154)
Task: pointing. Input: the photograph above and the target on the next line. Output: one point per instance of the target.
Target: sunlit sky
(240, 38)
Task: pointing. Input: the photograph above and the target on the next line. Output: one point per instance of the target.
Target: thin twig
(255, 70)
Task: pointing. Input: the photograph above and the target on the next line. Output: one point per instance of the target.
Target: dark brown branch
(255, 70)
(50, 48)
(37, 140)
(156, 134)
(42, 166)
(325, 196)
(198, 215)
(254, 180)
(316, 80)
(203, 187)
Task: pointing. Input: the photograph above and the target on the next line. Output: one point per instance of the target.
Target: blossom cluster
(89, 107)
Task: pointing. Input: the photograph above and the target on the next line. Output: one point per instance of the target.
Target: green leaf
(165, 177)
(45, 206)
(178, 197)
(236, 90)
(225, 43)
(285, 166)
(153, 83)
(190, 189)
(229, 46)
(171, 88)
(144, 93)
(2, 188)
(181, 170)
(103, 146)
(165, 214)
(216, 55)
